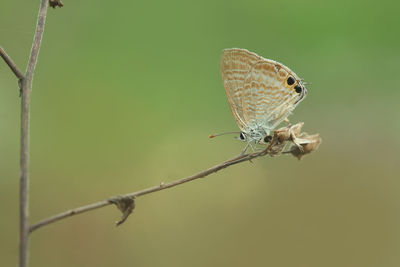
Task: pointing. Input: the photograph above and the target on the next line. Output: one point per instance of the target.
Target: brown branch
(153, 189)
(24, 149)
(275, 148)
(11, 64)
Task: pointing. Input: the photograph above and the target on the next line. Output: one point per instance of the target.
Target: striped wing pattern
(267, 99)
(235, 65)
(257, 90)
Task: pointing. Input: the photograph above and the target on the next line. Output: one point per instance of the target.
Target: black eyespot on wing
(242, 137)
(298, 89)
(290, 80)
(267, 139)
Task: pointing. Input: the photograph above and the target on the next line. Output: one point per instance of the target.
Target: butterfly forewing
(235, 65)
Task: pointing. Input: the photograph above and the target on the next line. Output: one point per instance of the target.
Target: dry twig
(14, 68)
(126, 202)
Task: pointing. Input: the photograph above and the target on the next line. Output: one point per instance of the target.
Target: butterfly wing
(267, 98)
(235, 65)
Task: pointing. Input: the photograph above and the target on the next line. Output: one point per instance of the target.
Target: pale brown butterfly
(261, 92)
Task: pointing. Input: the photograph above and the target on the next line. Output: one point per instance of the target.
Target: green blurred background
(127, 92)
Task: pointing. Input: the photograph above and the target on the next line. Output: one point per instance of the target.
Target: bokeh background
(125, 95)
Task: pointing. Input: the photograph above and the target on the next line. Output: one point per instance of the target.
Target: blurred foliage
(125, 95)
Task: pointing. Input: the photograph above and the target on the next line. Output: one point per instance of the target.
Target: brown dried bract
(55, 3)
(309, 143)
(288, 133)
(125, 204)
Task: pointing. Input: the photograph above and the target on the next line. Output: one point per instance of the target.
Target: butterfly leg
(252, 147)
(245, 149)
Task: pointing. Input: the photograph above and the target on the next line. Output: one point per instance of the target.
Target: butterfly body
(261, 92)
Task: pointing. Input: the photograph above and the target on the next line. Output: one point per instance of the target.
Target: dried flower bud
(286, 133)
(282, 134)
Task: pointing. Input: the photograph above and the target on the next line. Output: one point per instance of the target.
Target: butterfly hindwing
(267, 98)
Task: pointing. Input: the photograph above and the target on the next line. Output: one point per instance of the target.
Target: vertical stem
(24, 150)
(24, 179)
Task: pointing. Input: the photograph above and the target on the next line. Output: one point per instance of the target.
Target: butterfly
(261, 92)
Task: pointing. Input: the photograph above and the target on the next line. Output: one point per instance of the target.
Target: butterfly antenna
(215, 135)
